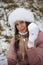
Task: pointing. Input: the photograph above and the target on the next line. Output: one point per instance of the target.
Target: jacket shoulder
(40, 36)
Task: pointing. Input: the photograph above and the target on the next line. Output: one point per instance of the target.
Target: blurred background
(6, 7)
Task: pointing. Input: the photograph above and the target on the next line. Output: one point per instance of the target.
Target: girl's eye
(17, 24)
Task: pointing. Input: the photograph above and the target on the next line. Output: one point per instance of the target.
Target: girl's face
(21, 26)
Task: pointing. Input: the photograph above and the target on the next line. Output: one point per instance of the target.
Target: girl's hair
(16, 44)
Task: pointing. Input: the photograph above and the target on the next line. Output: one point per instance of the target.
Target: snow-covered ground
(3, 60)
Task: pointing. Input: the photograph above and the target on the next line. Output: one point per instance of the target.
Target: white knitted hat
(20, 14)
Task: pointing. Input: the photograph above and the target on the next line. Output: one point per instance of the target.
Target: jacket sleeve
(35, 54)
(11, 56)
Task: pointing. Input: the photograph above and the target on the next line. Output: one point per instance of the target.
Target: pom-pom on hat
(20, 14)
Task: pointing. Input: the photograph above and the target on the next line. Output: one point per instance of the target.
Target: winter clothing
(34, 55)
(33, 33)
(20, 14)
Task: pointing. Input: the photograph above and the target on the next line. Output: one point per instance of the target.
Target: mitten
(33, 33)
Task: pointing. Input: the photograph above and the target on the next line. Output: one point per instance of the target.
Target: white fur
(33, 33)
(21, 14)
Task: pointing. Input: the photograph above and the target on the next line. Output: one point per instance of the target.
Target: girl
(21, 52)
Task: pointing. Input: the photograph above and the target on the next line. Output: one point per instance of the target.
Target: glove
(33, 33)
(30, 44)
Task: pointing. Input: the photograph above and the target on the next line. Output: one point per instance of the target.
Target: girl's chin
(22, 31)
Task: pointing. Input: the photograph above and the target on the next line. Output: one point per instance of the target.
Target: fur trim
(21, 14)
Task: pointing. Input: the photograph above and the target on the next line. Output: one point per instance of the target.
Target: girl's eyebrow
(20, 22)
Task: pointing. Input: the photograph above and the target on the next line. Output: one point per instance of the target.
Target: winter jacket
(34, 54)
